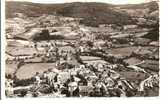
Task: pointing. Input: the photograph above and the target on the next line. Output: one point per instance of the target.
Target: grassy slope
(93, 13)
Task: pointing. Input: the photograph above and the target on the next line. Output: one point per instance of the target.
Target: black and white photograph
(81, 48)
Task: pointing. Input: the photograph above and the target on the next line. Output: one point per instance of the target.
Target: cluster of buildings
(74, 60)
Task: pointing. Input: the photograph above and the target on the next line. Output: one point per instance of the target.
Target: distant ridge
(93, 13)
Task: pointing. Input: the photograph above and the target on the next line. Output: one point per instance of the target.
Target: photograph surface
(81, 48)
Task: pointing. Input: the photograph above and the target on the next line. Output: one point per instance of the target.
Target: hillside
(92, 13)
(152, 5)
(150, 9)
(145, 15)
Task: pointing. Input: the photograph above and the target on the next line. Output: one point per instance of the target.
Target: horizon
(115, 2)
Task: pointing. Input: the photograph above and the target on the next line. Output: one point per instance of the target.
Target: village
(56, 56)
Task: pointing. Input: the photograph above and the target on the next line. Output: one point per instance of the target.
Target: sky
(104, 1)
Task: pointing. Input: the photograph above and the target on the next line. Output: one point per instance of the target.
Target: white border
(2, 49)
(3, 97)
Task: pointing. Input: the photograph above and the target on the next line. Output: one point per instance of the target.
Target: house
(85, 90)
(63, 77)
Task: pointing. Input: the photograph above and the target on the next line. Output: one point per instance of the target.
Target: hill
(151, 5)
(92, 13)
(148, 10)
